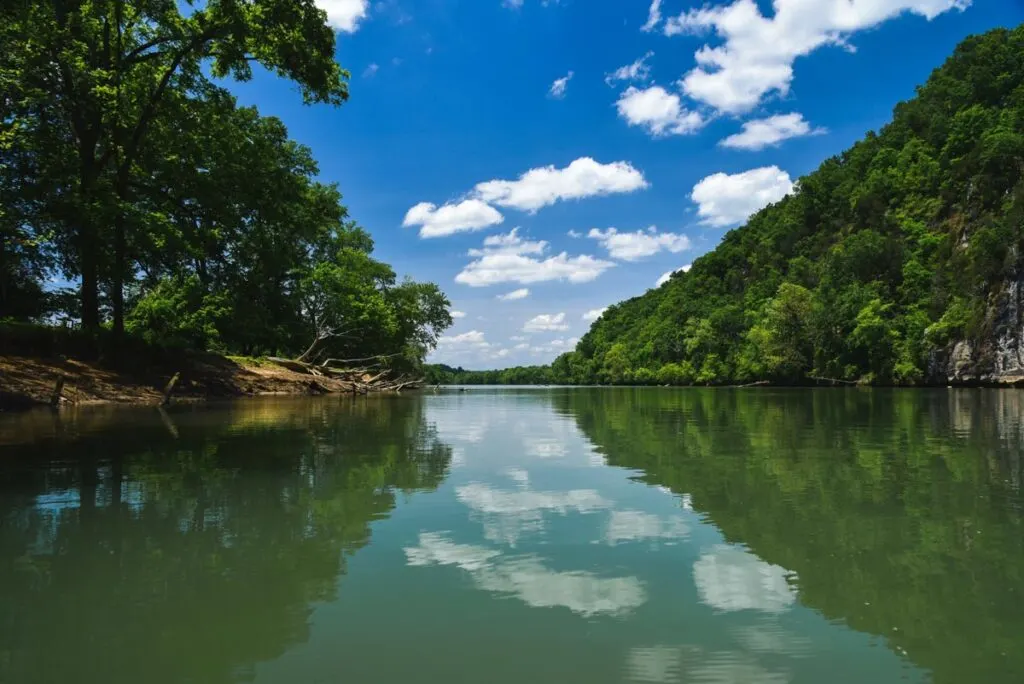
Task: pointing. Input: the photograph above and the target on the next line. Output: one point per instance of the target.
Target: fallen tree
(361, 380)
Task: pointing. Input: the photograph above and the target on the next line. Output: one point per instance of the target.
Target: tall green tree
(109, 68)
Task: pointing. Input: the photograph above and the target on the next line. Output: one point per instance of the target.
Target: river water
(518, 535)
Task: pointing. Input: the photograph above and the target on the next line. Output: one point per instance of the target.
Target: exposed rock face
(998, 359)
(1008, 345)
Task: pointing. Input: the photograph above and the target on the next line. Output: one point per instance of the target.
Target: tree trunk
(90, 291)
(117, 284)
(88, 245)
(312, 348)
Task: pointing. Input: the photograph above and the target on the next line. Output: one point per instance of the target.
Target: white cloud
(512, 4)
(730, 579)
(466, 340)
(635, 246)
(458, 314)
(574, 234)
(544, 186)
(725, 200)
(559, 345)
(667, 275)
(510, 259)
(519, 338)
(521, 293)
(653, 16)
(628, 526)
(345, 15)
(757, 53)
(371, 69)
(593, 314)
(546, 323)
(639, 70)
(467, 215)
(761, 133)
(658, 111)
(528, 580)
(559, 87)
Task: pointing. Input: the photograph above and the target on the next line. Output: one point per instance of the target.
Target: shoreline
(28, 382)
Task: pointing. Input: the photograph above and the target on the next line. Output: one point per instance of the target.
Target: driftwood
(338, 362)
(832, 381)
(58, 389)
(169, 389)
(354, 380)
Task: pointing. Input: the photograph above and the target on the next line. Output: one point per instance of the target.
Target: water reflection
(527, 579)
(134, 553)
(896, 513)
(729, 578)
(566, 536)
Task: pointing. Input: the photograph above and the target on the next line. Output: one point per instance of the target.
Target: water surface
(562, 535)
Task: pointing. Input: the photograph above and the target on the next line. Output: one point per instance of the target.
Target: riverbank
(27, 381)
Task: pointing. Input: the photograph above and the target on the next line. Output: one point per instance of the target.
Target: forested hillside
(171, 215)
(897, 261)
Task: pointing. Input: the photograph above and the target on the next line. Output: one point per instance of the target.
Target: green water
(500, 536)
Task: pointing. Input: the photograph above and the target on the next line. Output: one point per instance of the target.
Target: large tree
(96, 77)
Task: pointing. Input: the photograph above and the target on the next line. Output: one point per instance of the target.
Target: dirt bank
(29, 381)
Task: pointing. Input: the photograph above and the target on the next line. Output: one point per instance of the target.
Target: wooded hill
(895, 262)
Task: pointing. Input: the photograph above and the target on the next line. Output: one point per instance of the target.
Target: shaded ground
(27, 381)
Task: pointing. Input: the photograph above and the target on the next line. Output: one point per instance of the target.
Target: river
(518, 535)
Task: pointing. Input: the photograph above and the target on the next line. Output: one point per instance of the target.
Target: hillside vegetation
(872, 270)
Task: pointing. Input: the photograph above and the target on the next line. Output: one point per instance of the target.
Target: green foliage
(186, 219)
(178, 312)
(879, 261)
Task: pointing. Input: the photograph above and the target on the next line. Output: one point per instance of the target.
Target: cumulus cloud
(725, 200)
(345, 15)
(466, 340)
(458, 314)
(546, 185)
(465, 216)
(667, 275)
(593, 314)
(510, 259)
(658, 111)
(653, 16)
(731, 579)
(559, 87)
(639, 70)
(527, 579)
(546, 323)
(521, 293)
(636, 246)
(761, 133)
(756, 53)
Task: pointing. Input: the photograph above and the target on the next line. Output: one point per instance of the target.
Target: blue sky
(678, 120)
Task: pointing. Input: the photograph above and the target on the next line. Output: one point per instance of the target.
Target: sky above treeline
(543, 159)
